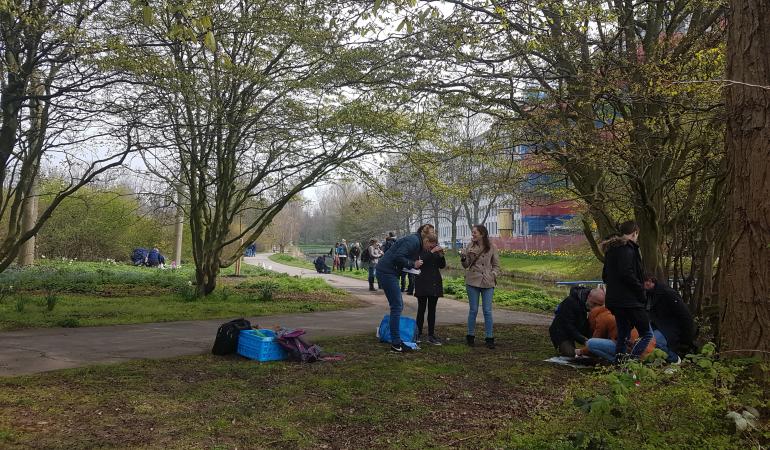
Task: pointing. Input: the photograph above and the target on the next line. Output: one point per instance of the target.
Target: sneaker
(418, 339)
(400, 348)
(677, 362)
(435, 340)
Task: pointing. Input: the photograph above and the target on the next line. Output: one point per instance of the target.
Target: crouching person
(672, 322)
(604, 334)
(570, 324)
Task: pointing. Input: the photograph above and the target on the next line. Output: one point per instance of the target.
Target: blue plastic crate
(260, 345)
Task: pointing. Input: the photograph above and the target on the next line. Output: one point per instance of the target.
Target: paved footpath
(40, 350)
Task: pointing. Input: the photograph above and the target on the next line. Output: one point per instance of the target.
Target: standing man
(672, 322)
(355, 253)
(403, 254)
(389, 241)
(626, 297)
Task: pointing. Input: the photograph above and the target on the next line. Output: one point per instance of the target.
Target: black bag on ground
(227, 336)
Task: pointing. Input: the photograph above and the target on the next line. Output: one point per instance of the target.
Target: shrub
(21, 303)
(68, 322)
(696, 405)
(50, 301)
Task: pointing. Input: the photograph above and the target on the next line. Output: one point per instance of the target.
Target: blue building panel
(539, 224)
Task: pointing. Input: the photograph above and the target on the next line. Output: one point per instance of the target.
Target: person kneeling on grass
(672, 322)
(605, 334)
(428, 287)
(404, 254)
(570, 323)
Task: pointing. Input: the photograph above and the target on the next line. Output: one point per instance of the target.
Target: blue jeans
(662, 343)
(603, 348)
(389, 283)
(373, 273)
(486, 305)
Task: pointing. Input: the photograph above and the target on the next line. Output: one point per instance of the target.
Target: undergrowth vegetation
(704, 403)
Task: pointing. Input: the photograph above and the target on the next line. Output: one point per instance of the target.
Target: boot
(490, 343)
(470, 340)
(371, 287)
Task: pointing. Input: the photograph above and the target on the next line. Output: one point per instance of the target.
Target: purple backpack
(299, 350)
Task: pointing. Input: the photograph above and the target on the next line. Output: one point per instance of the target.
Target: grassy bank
(441, 397)
(57, 294)
(522, 296)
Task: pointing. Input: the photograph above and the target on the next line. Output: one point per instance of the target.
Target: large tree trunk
(744, 274)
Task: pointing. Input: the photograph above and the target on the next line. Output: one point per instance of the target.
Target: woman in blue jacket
(403, 254)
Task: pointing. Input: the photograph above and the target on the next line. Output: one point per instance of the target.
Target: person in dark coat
(428, 287)
(403, 254)
(672, 322)
(320, 265)
(570, 324)
(625, 296)
(155, 258)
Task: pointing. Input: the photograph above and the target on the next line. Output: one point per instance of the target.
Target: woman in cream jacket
(482, 265)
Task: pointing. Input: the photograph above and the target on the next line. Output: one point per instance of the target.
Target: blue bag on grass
(407, 329)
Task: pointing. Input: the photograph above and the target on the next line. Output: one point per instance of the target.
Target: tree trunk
(179, 232)
(650, 238)
(206, 276)
(28, 220)
(744, 274)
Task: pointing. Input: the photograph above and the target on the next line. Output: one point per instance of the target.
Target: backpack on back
(227, 336)
(366, 255)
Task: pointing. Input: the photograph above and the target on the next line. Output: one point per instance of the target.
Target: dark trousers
(626, 319)
(409, 288)
(567, 348)
(430, 302)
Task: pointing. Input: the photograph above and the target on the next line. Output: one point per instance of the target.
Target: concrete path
(40, 350)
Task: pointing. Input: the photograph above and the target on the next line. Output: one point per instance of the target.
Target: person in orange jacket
(604, 333)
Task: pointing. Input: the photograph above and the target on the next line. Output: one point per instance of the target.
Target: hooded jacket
(623, 274)
(670, 315)
(571, 322)
(401, 255)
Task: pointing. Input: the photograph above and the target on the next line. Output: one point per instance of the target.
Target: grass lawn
(441, 397)
(90, 294)
(288, 260)
(530, 296)
(539, 266)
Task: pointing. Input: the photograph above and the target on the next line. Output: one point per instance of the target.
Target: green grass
(288, 260)
(445, 396)
(523, 296)
(549, 268)
(91, 294)
(441, 397)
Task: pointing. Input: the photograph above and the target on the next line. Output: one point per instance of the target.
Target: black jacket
(623, 274)
(571, 320)
(670, 315)
(429, 283)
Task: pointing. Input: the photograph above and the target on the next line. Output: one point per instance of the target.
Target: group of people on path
(344, 255)
(635, 314)
(420, 255)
